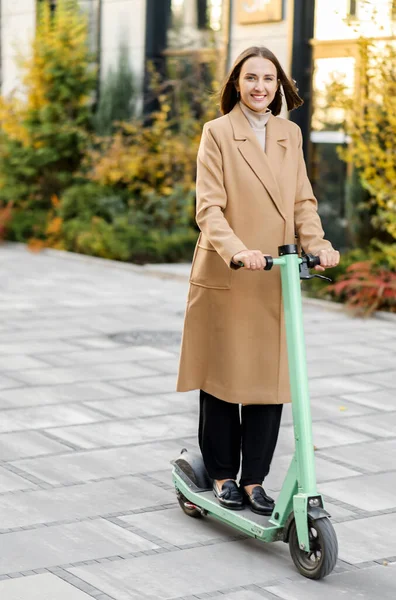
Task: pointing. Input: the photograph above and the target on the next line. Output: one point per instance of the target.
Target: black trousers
(224, 431)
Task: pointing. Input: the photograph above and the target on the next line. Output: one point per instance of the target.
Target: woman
(253, 195)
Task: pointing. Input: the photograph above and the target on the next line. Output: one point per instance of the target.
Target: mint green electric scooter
(298, 517)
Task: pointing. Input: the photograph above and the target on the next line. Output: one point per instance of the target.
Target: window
(202, 14)
(352, 8)
(52, 4)
(199, 15)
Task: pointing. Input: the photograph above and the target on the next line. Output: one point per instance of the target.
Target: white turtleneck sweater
(257, 121)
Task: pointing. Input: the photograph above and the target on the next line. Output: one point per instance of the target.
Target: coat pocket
(209, 270)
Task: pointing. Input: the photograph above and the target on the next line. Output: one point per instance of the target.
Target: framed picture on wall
(258, 11)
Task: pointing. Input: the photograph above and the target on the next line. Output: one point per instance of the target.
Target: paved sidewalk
(89, 422)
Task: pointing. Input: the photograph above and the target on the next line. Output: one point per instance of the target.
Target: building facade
(315, 41)
(152, 29)
(335, 56)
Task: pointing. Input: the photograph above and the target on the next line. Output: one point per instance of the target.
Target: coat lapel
(267, 167)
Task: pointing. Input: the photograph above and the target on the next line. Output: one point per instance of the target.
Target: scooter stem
(291, 291)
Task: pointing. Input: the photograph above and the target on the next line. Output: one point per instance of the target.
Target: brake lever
(306, 274)
(321, 277)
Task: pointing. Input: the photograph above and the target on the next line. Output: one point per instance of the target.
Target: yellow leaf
(35, 245)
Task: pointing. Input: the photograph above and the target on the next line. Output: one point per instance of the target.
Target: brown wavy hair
(229, 95)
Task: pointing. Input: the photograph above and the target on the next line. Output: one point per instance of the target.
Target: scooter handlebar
(312, 261)
(269, 262)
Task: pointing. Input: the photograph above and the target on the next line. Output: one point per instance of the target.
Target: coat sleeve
(212, 199)
(307, 221)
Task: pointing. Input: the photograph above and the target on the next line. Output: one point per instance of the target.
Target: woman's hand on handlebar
(328, 258)
(253, 260)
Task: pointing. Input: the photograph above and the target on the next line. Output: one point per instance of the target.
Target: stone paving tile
(323, 435)
(337, 512)
(381, 362)
(361, 351)
(7, 383)
(10, 482)
(155, 385)
(329, 407)
(181, 573)
(36, 335)
(374, 457)
(98, 464)
(82, 373)
(383, 399)
(175, 527)
(170, 365)
(34, 347)
(133, 431)
(369, 492)
(64, 393)
(41, 417)
(152, 356)
(164, 476)
(148, 406)
(383, 378)
(377, 583)
(367, 539)
(242, 595)
(325, 471)
(325, 386)
(40, 587)
(388, 345)
(15, 362)
(340, 365)
(359, 336)
(79, 501)
(379, 425)
(64, 544)
(96, 343)
(56, 360)
(28, 443)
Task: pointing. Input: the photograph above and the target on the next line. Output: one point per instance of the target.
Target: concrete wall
(17, 27)
(275, 36)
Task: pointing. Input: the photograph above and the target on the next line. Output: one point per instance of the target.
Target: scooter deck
(246, 521)
(245, 513)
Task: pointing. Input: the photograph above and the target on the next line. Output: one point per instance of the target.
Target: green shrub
(86, 200)
(91, 219)
(27, 223)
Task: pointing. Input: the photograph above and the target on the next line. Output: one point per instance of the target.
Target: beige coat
(234, 344)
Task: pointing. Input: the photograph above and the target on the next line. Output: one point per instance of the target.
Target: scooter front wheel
(321, 558)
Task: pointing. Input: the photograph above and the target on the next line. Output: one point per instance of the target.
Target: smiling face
(257, 83)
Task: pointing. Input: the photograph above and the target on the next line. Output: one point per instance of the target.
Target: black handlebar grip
(312, 261)
(269, 263)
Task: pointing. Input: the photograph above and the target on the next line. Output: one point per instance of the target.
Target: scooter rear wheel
(187, 507)
(322, 556)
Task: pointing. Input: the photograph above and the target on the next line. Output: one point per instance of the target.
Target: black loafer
(230, 495)
(259, 502)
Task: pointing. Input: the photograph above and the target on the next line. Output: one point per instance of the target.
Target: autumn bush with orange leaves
(366, 288)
